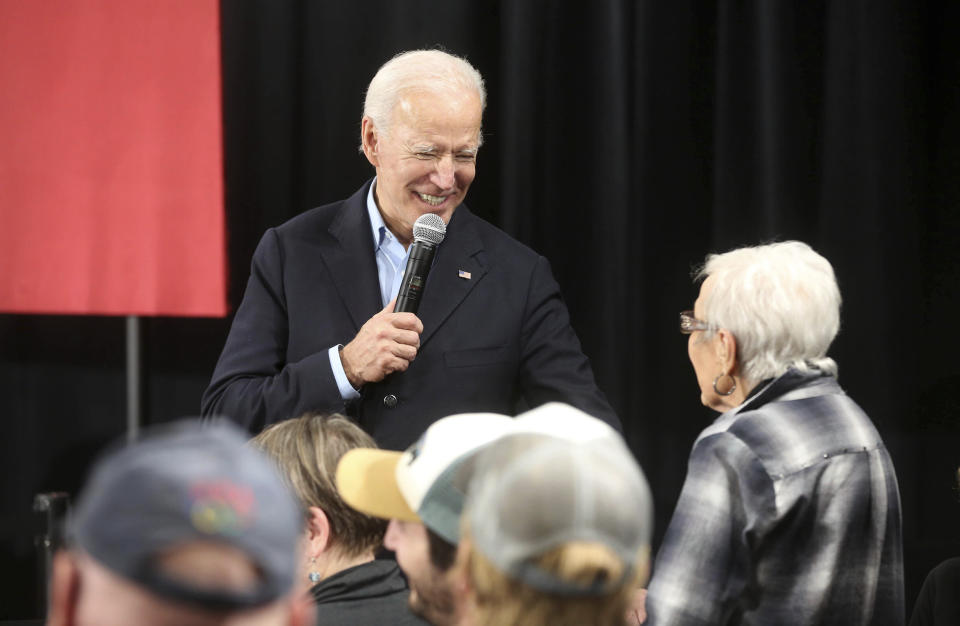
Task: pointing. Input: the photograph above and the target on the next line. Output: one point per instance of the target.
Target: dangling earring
(733, 385)
(313, 576)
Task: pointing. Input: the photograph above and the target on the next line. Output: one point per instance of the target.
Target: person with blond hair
(555, 532)
(349, 585)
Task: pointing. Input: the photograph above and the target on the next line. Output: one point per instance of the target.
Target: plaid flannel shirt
(789, 514)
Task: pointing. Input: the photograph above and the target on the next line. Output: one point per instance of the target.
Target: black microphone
(428, 232)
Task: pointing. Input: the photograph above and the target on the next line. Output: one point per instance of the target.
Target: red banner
(111, 176)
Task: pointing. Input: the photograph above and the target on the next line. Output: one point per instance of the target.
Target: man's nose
(445, 174)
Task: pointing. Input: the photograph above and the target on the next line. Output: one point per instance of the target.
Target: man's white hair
(780, 301)
(432, 71)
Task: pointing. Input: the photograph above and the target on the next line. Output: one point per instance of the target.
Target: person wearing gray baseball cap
(554, 532)
(188, 526)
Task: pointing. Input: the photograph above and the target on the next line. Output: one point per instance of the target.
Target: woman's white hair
(780, 301)
(433, 71)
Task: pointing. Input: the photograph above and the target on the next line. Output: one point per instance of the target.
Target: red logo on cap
(221, 507)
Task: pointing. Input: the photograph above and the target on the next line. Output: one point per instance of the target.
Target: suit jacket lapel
(445, 288)
(352, 263)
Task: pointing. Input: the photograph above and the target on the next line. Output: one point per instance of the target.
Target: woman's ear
(726, 347)
(318, 531)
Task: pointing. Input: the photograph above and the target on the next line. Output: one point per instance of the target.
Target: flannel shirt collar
(792, 384)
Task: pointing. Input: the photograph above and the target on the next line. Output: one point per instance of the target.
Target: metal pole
(51, 510)
(133, 378)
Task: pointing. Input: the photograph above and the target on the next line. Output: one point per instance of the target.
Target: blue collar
(377, 225)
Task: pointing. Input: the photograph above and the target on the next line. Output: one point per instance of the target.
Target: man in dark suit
(316, 329)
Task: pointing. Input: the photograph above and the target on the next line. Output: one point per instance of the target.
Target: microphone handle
(415, 277)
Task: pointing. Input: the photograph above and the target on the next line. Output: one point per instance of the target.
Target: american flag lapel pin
(464, 274)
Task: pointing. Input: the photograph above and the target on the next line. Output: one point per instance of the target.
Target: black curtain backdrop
(623, 140)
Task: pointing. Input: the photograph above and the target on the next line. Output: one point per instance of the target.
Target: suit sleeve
(253, 384)
(553, 367)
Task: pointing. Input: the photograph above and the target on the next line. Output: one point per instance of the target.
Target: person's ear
(64, 590)
(370, 139)
(318, 531)
(726, 346)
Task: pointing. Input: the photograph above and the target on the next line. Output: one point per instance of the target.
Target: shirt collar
(813, 381)
(792, 384)
(379, 228)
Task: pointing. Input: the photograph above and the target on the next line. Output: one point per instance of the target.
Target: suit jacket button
(390, 401)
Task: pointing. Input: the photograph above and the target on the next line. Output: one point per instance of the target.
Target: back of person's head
(431, 71)
(500, 599)
(307, 450)
(555, 531)
(188, 526)
(781, 302)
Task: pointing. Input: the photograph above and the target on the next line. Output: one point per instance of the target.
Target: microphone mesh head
(429, 228)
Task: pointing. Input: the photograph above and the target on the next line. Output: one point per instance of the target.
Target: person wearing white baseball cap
(414, 490)
(422, 490)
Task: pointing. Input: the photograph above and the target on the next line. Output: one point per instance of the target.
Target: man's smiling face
(427, 159)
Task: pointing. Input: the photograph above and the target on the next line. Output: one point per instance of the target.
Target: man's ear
(318, 531)
(369, 137)
(64, 590)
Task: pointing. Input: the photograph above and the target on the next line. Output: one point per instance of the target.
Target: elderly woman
(348, 584)
(790, 512)
(555, 532)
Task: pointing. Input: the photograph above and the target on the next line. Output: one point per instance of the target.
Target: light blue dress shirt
(391, 263)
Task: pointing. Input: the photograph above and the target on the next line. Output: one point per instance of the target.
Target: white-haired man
(316, 330)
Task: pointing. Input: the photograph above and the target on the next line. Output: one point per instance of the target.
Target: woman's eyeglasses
(688, 323)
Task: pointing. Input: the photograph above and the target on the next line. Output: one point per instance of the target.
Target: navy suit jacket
(489, 341)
